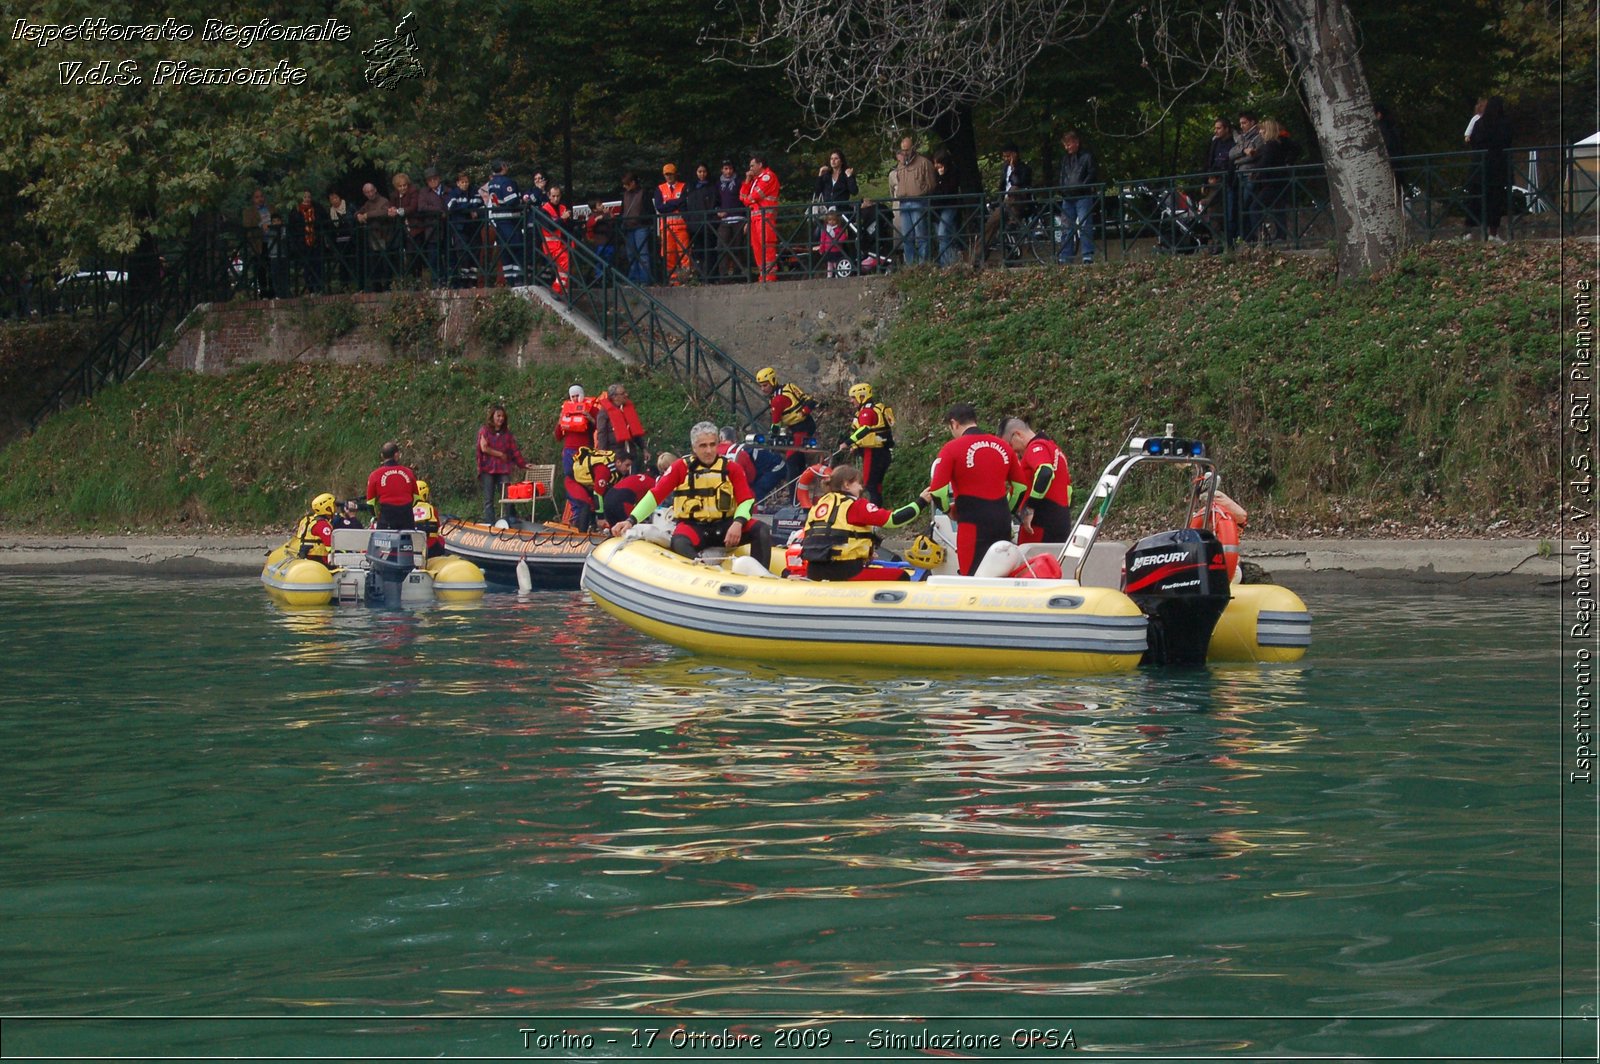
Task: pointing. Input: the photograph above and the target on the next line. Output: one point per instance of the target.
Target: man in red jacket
(710, 498)
(391, 489)
(977, 478)
(628, 488)
(760, 194)
(1046, 510)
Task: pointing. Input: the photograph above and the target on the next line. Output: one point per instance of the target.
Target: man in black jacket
(1016, 177)
(1079, 181)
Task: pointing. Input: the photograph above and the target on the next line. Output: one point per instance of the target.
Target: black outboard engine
(1180, 581)
(786, 522)
(390, 559)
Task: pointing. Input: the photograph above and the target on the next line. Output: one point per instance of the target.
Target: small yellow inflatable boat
(379, 568)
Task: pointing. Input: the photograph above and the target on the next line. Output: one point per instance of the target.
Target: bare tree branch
(906, 60)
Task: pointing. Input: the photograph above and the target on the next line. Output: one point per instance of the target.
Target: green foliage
(504, 318)
(329, 319)
(410, 321)
(34, 358)
(249, 449)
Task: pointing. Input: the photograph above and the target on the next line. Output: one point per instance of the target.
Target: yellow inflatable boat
(379, 568)
(1179, 607)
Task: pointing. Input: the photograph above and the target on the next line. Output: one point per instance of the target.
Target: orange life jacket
(1227, 532)
(574, 416)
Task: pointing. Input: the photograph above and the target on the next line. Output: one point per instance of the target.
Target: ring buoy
(805, 488)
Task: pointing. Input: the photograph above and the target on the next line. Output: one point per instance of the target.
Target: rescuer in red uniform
(575, 426)
(872, 439)
(555, 239)
(1046, 509)
(977, 478)
(628, 488)
(391, 488)
(760, 193)
(586, 486)
(711, 499)
(313, 536)
(840, 537)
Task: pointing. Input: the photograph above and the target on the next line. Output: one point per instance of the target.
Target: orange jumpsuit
(672, 230)
(555, 246)
(760, 194)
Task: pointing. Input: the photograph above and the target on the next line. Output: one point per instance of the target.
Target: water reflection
(513, 805)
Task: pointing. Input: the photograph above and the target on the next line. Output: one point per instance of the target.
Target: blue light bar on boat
(1169, 445)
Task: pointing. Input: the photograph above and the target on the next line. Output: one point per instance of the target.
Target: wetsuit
(979, 477)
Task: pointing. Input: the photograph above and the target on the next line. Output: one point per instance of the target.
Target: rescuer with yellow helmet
(711, 498)
(871, 438)
(586, 486)
(791, 412)
(313, 536)
(425, 516)
(840, 536)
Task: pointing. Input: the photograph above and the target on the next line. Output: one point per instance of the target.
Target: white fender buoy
(524, 578)
(749, 567)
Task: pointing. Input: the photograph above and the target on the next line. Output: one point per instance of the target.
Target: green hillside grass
(1429, 398)
(249, 449)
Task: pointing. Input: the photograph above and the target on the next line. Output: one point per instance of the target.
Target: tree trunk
(954, 130)
(1361, 185)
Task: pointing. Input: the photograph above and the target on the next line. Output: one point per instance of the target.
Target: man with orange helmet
(672, 229)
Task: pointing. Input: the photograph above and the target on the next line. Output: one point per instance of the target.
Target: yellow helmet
(860, 393)
(767, 376)
(924, 553)
(422, 490)
(324, 505)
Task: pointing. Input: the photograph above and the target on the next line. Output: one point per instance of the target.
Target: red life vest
(624, 420)
(574, 416)
(1227, 532)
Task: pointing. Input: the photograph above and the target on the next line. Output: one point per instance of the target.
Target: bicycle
(1028, 235)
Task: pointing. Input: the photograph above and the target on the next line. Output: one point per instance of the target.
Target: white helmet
(575, 392)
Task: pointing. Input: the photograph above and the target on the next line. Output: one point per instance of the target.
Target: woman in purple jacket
(498, 458)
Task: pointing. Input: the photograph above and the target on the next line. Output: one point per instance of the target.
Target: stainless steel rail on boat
(1166, 449)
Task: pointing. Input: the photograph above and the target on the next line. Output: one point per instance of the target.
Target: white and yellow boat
(945, 621)
(1185, 613)
(378, 568)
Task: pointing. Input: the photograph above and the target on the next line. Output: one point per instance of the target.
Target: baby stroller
(871, 240)
(1182, 228)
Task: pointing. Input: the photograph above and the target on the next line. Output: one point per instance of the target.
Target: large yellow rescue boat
(1174, 604)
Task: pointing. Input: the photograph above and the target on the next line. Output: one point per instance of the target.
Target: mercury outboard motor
(390, 559)
(1180, 581)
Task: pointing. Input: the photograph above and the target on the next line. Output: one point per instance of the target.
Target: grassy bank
(185, 451)
(1427, 399)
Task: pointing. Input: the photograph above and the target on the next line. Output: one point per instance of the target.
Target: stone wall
(817, 333)
(219, 336)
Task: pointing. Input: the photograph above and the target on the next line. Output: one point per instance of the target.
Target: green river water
(513, 831)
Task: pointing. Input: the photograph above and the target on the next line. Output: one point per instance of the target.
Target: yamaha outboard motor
(1180, 581)
(390, 559)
